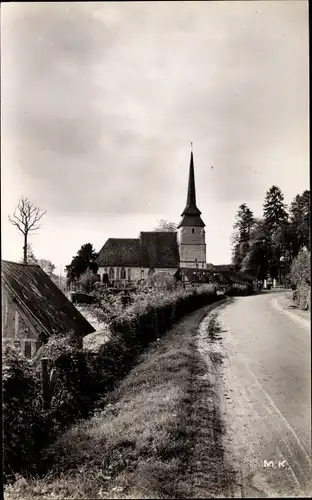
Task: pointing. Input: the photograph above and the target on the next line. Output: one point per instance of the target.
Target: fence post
(45, 383)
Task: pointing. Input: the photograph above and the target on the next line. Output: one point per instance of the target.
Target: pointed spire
(191, 208)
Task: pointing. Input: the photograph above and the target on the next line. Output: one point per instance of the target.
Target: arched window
(122, 273)
(129, 274)
(193, 230)
(111, 273)
(196, 264)
(117, 273)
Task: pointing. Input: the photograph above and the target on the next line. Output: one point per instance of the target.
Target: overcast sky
(99, 103)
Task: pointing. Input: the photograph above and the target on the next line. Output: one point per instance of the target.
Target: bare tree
(26, 218)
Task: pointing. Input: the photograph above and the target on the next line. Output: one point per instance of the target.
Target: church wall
(191, 235)
(192, 247)
(132, 273)
(188, 254)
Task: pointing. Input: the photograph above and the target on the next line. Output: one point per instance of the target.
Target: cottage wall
(16, 331)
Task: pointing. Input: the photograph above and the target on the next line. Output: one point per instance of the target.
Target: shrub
(300, 276)
(23, 422)
(70, 385)
(87, 280)
(301, 268)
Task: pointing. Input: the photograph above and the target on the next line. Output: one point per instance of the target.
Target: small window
(192, 230)
(123, 273)
(129, 274)
(196, 264)
(17, 344)
(27, 349)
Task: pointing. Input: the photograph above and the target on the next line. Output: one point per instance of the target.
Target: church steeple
(191, 213)
(191, 208)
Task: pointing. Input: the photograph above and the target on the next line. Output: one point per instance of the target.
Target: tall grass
(82, 380)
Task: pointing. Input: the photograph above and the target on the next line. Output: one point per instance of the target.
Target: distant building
(34, 308)
(131, 260)
(128, 260)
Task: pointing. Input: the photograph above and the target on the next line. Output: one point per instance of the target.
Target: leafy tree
(242, 230)
(274, 209)
(85, 259)
(26, 218)
(30, 256)
(47, 266)
(87, 280)
(291, 236)
(258, 258)
(166, 226)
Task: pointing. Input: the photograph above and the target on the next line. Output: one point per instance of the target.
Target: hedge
(23, 420)
(82, 380)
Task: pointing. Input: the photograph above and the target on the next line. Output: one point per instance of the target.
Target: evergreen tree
(274, 209)
(300, 218)
(84, 260)
(242, 230)
(275, 217)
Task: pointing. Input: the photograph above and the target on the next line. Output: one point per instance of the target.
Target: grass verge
(147, 441)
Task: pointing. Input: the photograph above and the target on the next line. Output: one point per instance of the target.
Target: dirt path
(260, 374)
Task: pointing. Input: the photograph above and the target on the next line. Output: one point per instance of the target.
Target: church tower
(191, 232)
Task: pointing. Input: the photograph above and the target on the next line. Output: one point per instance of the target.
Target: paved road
(265, 396)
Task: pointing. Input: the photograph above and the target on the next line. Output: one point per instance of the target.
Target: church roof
(159, 249)
(191, 213)
(41, 300)
(152, 250)
(192, 220)
(123, 252)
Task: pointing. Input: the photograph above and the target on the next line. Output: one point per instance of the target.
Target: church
(124, 260)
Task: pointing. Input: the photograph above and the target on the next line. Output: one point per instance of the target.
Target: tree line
(267, 246)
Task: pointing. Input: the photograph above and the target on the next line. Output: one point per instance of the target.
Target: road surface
(261, 357)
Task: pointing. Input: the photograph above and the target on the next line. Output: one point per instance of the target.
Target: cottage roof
(246, 276)
(45, 304)
(223, 267)
(198, 275)
(159, 249)
(233, 277)
(123, 252)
